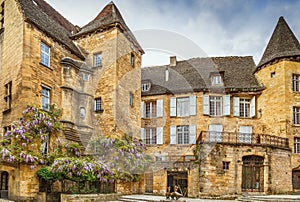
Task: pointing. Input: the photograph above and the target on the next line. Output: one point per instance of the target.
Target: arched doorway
(4, 185)
(253, 174)
(296, 178)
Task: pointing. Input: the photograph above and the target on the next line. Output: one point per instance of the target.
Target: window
(132, 59)
(45, 55)
(216, 80)
(131, 99)
(183, 106)
(145, 87)
(152, 109)
(184, 134)
(215, 132)
(296, 79)
(82, 112)
(45, 146)
(245, 135)
(6, 131)
(225, 165)
(45, 98)
(273, 74)
(2, 16)
(151, 135)
(296, 115)
(98, 104)
(4, 181)
(297, 145)
(97, 60)
(244, 107)
(8, 95)
(215, 105)
(85, 76)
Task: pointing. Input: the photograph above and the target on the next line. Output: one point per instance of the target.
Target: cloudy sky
(193, 28)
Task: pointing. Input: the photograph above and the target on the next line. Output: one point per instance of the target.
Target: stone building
(91, 72)
(223, 125)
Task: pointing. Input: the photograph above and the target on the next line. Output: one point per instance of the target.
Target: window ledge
(99, 111)
(6, 111)
(46, 66)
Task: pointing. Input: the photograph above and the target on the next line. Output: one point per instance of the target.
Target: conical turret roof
(283, 43)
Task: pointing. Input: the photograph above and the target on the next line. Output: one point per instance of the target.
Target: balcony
(243, 138)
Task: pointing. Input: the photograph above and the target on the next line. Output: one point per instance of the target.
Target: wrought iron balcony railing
(242, 138)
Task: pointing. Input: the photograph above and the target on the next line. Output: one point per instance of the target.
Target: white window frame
(155, 110)
(146, 87)
(296, 115)
(297, 145)
(45, 54)
(46, 97)
(183, 106)
(98, 104)
(245, 107)
(237, 107)
(245, 134)
(215, 132)
(216, 80)
(97, 59)
(8, 95)
(155, 135)
(296, 82)
(215, 105)
(183, 134)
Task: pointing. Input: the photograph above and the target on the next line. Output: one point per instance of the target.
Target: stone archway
(296, 178)
(253, 174)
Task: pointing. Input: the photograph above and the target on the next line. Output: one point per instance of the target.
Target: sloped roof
(194, 75)
(283, 43)
(44, 17)
(109, 16)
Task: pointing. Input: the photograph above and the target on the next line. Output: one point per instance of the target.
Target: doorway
(179, 178)
(296, 179)
(4, 185)
(253, 174)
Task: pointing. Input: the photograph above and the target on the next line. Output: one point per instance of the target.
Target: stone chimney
(173, 61)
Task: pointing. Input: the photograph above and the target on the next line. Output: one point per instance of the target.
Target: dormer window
(146, 87)
(217, 78)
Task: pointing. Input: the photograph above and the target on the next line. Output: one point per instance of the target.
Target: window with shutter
(173, 135)
(159, 108)
(159, 135)
(193, 101)
(245, 135)
(205, 104)
(215, 132)
(192, 138)
(253, 107)
(226, 105)
(236, 106)
(173, 106)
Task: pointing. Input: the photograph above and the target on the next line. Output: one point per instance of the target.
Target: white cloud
(218, 27)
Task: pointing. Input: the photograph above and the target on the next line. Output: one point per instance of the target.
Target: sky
(193, 28)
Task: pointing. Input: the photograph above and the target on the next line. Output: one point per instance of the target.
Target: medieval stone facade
(92, 73)
(223, 125)
(213, 126)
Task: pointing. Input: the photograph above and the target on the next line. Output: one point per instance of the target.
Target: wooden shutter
(226, 105)
(173, 106)
(143, 134)
(159, 108)
(159, 135)
(193, 101)
(192, 138)
(205, 103)
(253, 107)
(142, 109)
(173, 135)
(236, 106)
